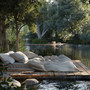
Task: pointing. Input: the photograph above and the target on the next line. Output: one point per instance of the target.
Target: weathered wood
(80, 67)
(19, 70)
(83, 74)
(82, 71)
(76, 73)
(83, 66)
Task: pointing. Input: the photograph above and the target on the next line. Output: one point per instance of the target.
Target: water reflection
(75, 52)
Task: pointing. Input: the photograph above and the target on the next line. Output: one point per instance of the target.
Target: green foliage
(85, 37)
(65, 18)
(39, 41)
(24, 12)
(74, 39)
(48, 36)
(4, 81)
(43, 19)
(86, 1)
(3, 50)
(30, 19)
(22, 37)
(64, 36)
(4, 85)
(11, 39)
(10, 34)
(31, 35)
(33, 28)
(71, 15)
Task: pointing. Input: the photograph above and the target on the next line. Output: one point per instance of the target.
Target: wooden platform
(83, 74)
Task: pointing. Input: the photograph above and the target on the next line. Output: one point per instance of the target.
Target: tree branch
(44, 31)
(21, 27)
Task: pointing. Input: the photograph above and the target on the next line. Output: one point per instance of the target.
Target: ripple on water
(64, 85)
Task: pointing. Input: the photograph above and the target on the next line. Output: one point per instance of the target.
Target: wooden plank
(76, 73)
(83, 72)
(19, 70)
(61, 77)
(70, 73)
(83, 66)
(42, 74)
(51, 74)
(56, 74)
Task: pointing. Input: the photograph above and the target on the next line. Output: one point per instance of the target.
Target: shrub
(39, 41)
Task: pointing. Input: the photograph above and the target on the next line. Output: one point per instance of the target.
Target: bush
(39, 41)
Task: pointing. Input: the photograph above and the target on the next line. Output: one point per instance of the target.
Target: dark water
(75, 52)
(64, 85)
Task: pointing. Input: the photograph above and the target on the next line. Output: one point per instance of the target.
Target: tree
(43, 20)
(72, 15)
(18, 9)
(53, 19)
(85, 35)
(67, 17)
(3, 13)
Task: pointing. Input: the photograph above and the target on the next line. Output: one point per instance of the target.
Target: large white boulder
(31, 82)
(15, 83)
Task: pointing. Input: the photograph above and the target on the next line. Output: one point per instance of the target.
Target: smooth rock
(15, 83)
(30, 82)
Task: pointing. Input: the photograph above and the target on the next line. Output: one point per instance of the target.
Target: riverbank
(47, 44)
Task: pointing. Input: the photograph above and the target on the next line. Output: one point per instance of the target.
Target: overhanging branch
(21, 27)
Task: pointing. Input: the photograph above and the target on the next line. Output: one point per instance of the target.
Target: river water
(75, 52)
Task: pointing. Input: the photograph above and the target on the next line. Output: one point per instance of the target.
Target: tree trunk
(56, 35)
(38, 31)
(17, 33)
(0, 38)
(40, 34)
(3, 44)
(0, 34)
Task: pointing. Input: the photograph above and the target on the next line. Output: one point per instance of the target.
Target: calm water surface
(75, 52)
